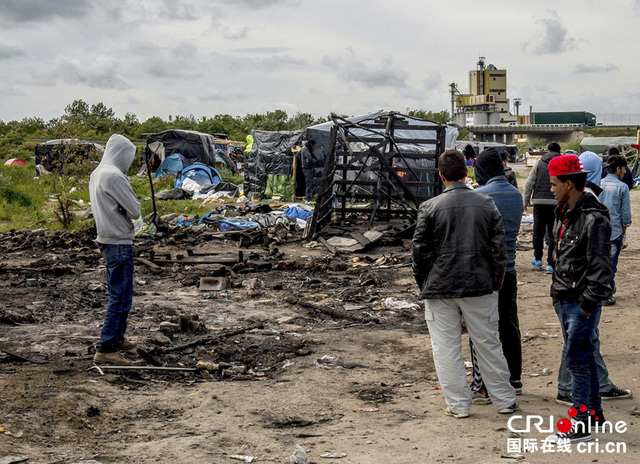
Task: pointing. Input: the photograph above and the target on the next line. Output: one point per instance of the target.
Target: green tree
(77, 111)
(441, 117)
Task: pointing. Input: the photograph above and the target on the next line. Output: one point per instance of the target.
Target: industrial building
(487, 101)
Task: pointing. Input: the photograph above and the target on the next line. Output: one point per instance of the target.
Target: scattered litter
(370, 409)
(546, 371)
(392, 303)
(404, 385)
(13, 459)
(243, 457)
(299, 456)
(328, 362)
(516, 456)
(94, 287)
(468, 364)
(333, 455)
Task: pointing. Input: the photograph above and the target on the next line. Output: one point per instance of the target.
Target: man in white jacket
(114, 206)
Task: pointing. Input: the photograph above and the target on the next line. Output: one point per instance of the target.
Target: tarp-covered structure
(479, 147)
(192, 145)
(602, 144)
(53, 154)
(270, 168)
(381, 166)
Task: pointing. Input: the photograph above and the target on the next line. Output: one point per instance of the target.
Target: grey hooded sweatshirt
(113, 203)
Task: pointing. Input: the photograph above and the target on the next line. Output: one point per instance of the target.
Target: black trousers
(543, 219)
(509, 331)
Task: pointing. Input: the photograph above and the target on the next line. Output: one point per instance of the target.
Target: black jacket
(581, 256)
(459, 245)
(542, 187)
(511, 176)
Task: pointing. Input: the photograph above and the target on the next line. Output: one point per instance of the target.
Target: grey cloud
(233, 34)
(271, 63)
(102, 73)
(36, 10)
(433, 81)
(584, 69)
(178, 9)
(553, 39)
(257, 4)
(262, 50)
(174, 62)
(381, 74)
(10, 50)
(233, 95)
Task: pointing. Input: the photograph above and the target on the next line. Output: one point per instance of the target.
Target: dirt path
(358, 380)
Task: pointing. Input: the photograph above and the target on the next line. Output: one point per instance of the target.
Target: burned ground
(297, 346)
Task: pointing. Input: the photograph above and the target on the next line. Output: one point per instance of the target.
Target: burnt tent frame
(381, 168)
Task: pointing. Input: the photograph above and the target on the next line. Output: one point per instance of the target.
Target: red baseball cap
(566, 165)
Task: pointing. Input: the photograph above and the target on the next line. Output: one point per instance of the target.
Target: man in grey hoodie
(114, 206)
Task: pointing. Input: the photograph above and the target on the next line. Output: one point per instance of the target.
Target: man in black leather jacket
(581, 274)
(459, 259)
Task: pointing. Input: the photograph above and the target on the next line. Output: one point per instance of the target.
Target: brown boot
(126, 345)
(115, 359)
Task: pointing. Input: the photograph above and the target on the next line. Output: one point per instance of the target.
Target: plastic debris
(299, 456)
(243, 457)
(333, 455)
(392, 303)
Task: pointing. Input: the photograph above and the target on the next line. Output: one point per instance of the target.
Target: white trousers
(480, 314)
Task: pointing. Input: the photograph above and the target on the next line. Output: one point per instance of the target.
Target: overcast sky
(206, 57)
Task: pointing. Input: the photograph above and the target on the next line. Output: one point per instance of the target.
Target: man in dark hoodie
(491, 177)
(581, 274)
(114, 206)
(537, 191)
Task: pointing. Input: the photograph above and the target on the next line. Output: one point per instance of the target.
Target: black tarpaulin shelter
(53, 154)
(379, 166)
(194, 146)
(270, 158)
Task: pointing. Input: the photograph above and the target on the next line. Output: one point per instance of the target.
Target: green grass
(28, 202)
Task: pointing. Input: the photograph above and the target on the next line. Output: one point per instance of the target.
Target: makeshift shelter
(193, 146)
(53, 154)
(272, 168)
(172, 165)
(269, 166)
(479, 147)
(602, 144)
(197, 175)
(15, 162)
(381, 165)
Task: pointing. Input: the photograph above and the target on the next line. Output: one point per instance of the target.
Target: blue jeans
(616, 248)
(578, 332)
(118, 261)
(564, 376)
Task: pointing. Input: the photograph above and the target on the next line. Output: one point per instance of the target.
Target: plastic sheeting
(194, 146)
(602, 144)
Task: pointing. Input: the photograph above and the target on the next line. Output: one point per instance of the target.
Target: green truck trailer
(579, 118)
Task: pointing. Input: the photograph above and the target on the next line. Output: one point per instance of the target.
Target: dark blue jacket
(508, 200)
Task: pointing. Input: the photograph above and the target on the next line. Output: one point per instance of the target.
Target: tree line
(98, 121)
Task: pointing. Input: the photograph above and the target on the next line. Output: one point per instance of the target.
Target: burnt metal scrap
(378, 169)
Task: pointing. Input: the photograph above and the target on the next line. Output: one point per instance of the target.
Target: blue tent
(172, 164)
(200, 173)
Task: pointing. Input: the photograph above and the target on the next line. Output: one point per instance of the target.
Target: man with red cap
(581, 274)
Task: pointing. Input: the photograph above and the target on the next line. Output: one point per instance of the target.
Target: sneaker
(115, 359)
(511, 409)
(595, 420)
(549, 269)
(578, 432)
(616, 393)
(609, 301)
(517, 385)
(457, 415)
(537, 264)
(127, 346)
(481, 397)
(564, 399)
